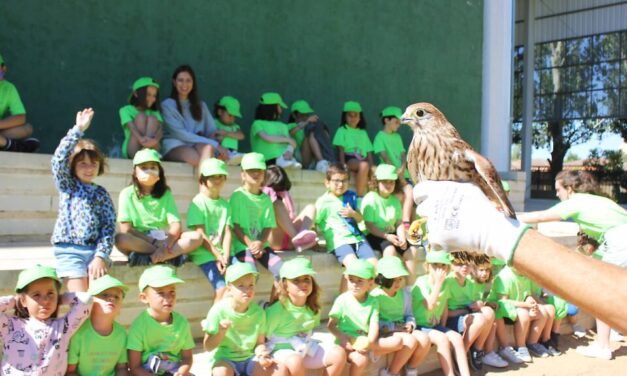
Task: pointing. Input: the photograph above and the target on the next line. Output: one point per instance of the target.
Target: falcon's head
(423, 116)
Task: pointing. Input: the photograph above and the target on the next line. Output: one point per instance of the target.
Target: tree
(607, 166)
(571, 157)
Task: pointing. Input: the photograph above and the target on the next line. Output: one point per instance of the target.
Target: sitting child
(228, 132)
(141, 119)
(311, 135)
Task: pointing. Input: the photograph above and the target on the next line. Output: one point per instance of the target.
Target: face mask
(147, 176)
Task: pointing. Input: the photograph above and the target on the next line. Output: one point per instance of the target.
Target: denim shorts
(439, 328)
(243, 367)
(456, 323)
(73, 259)
(210, 270)
(362, 250)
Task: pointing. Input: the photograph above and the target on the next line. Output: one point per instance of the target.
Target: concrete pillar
(527, 116)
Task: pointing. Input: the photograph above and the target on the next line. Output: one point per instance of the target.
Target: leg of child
(187, 154)
(538, 321)
(285, 225)
(490, 330)
(18, 132)
(359, 362)
(361, 169)
(460, 352)
(409, 258)
(295, 365)
(521, 327)
(154, 132)
(401, 344)
(276, 369)
(443, 347)
(548, 311)
(222, 368)
(135, 144)
(127, 243)
(332, 358)
(305, 153)
(204, 151)
(422, 350)
(390, 250)
(314, 147)
(502, 334)
(76, 284)
(187, 242)
(347, 260)
(474, 325)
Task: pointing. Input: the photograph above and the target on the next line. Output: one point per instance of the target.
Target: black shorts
(381, 244)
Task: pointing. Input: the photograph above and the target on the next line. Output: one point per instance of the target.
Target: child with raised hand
(354, 318)
(99, 347)
(291, 319)
(141, 118)
(311, 135)
(270, 136)
(210, 216)
(84, 231)
(227, 131)
(150, 225)
(235, 328)
(396, 317)
(35, 340)
(293, 230)
(382, 214)
(159, 339)
(354, 146)
(429, 301)
(253, 218)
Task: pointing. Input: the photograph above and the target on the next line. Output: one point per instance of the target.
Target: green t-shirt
(252, 213)
(397, 308)
(97, 355)
(384, 213)
(480, 291)
(420, 291)
(331, 223)
(214, 215)
(459, 296)
(354, 317)
(228, 142)
(147, 213)
(241, 338)
(515, 287)
(10, 102)
(392, 145)
(127, 115)
(271, 128)
(594, 214)
(299, 136)
(353, 140)
(150, 337)
(285, 320)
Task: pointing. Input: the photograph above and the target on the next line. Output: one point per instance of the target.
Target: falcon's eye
(420, 113)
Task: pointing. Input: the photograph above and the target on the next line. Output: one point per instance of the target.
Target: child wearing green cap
(227, 131)
(429, 297)
(311, 135)
(270, 136)
(210, 216)
(235, 328)
(15, 132)
(141, 119)
(150, 224)
(85, 226)
(396, 318)
(291, 319)
(36, 340)
(159, 340)
(99, 347)
(382, 214)
(354, 145)
(388, 146)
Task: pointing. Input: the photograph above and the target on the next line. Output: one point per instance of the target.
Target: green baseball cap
(104, 283)
(392, 111)
(238, 270)
(231, 104)
(213, 166)
(505, 186)
(438, 257)
(296, 267)
(497, 262)
(272, 98)
(360, 268)
(253, 161)
(391, 267)
(144, 81)
(302, 107)
(146, 155)
(34, 273)
(386, 172)
(158, 276)
(352, 106)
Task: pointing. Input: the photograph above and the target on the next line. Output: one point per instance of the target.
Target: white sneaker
(385, 372)
(494, 360)
(288, 163)
(523, 353)
(411, 371)
(511, 355)
(234, 158)
(322, 166)
(579, 331)
(616, 336)
(594, 351)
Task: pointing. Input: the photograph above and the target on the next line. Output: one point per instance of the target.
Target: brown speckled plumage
(437, 152)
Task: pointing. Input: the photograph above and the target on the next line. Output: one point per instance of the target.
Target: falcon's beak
(406, 121)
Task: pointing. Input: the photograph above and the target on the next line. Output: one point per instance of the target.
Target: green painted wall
(65, 55)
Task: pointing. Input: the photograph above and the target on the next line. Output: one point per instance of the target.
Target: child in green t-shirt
(354, 145)
(270, 136)
(149, 222)
(141, 118)
(253, 218)
(429, 297)
(396, 318)
(388, 146)
(99, 347)
(291, 319)
(235, 328)
(382, 214)
(210, 216)
(228, 132)
(354, 318)
(159, 340)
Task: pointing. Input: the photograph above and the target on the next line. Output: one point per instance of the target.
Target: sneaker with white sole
(552, 350)
(594, 351)
(234, 158)
(616, 336)
(322, 166)
(538, 350)
(579, 331)
(523, 353)
(385, 372)
(411, 371)
(509, 354)
(493, 359)
(288, 163)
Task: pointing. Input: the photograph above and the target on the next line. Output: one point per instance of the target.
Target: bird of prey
(437, 152)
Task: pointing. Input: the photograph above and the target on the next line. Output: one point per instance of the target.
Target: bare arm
(276, 139)
(341, 156)
(135, 364)
(12, 121)
(187, 358)
(122, 369)
(71, 370)
(539, 216)
(384, 156)
(370, 158)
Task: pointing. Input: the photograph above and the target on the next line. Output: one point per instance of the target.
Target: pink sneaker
(304, 239)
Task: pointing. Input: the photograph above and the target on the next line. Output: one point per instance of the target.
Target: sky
(607, 142)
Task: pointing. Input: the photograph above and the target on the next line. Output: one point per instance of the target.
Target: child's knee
(364, 167)
(488, 314)
(410, 341)
(294, 362)
(336, 355)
